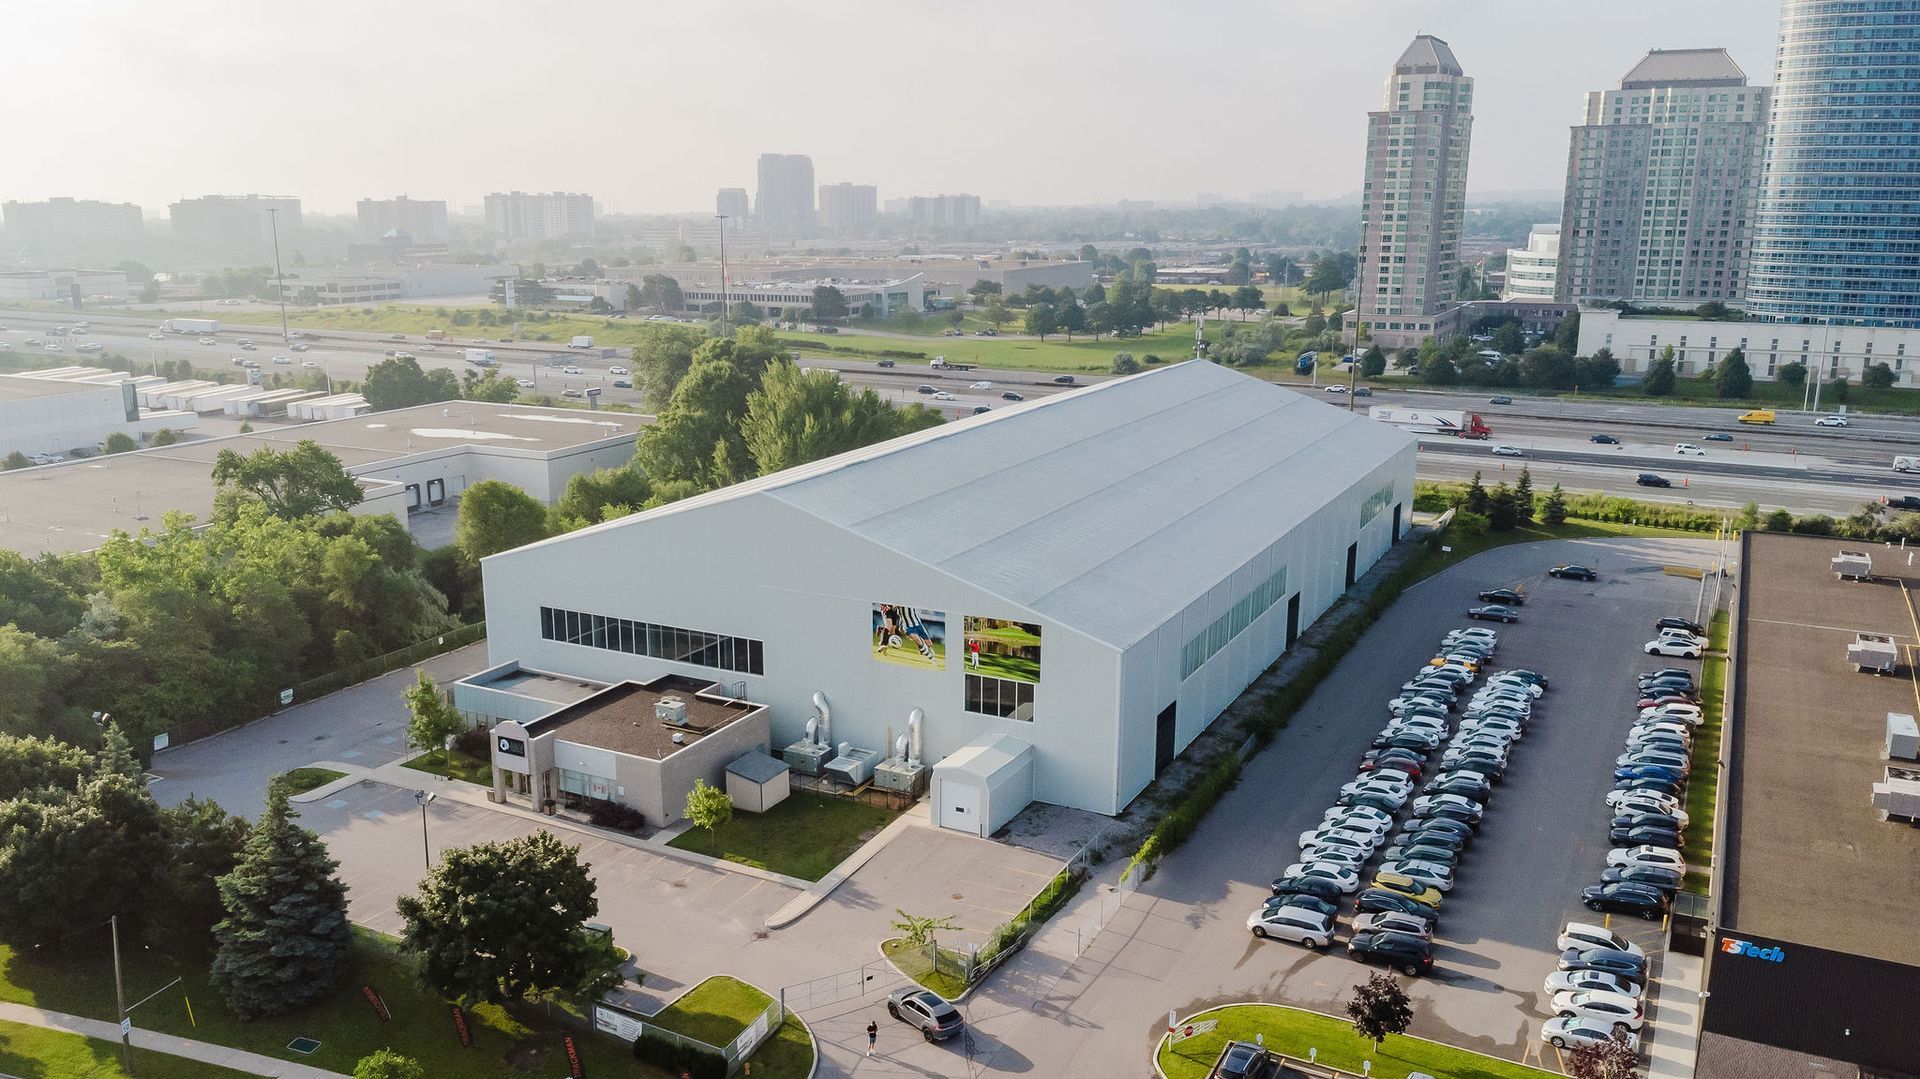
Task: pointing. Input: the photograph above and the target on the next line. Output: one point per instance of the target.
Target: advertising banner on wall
(910, 636)
(1000, 648)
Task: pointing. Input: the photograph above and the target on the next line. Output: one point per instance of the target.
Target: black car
(923, 389)
(1369, 800)
(1653, 876)
(1643, 835)
(1318, 887)
(1642, 819)
(884, 363)
(1423, 852)
(1649, 479)
(1904, 502)
(1446, 826)
(1574, 572)
(1622, 897)
(1304, 901)
(622, 384)
(1011, 396)
(1408, 955)
(1407, 740)
(1494, 612)
(1455, 783)
(1381, 901)
(1660, 784)
(1604, 440)
(1063, 380)
(1453, 844)
(1243, 1060)
(1484, 763)
(1362, 391)
(980, 410)
(1507, 596)
(1673, 622)
(1680, 680)
(1449, 812)
(1608, 960)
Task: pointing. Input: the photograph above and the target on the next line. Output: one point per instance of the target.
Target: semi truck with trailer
(1467, 425)
(480, 357)
(191, 325)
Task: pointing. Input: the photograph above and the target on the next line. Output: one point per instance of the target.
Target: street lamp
(425, 799)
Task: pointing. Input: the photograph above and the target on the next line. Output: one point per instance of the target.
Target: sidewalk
(173, 1045)
(1674, 1017)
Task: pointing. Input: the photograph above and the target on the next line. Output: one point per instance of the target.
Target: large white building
(423, 220)
(1830, 352)
(62, 223)
(1064, 593)
(61, 410)
(517, 215)
(1531, 269)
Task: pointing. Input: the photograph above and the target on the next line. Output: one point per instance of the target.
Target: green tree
(591, 497)
(997, 313)
(200, 843)
(1476, 500)
(1749, 518)
(662, 293)
(1373, 362)
(1041, 320)
(1792, 374)
(40, 768)
(1502, 513)
(1247, 298)
(829, 303)
(119, 442)
(1598, 371)
(491, 387)
(1733, 379)
(496, 516)
(1566, 334)
(285, 939)
(1316, 324)
(708, 806)
(918, 930)
(14, 460)
(1125, 364)
(1508, 340)
(1553, 512)
(305, 481)
(1877, 376)
(697, 439)
(1379, 1008)
(1546, 367)
(1660, 376)
(1439, 371)
(398, 382)
(1330, 274)
(661, 359)
(387, 1064)
(73, 861)
(799, 416)
(165, 436)
(1523, 496)
(1838, 390)
(1070, 317)
(431, 718)
(497, 922)
(1099, 319)
(983, 290)
(1778, 521)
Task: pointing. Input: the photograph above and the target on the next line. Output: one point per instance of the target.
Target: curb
(888, 960)
(815, 893)
(354, 775)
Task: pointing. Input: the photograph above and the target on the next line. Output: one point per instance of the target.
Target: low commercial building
(1095, 575)
(1532, 270)
(60, 286)
(1830, 352)
(1813, 944)
(884, 297)
(47, 413)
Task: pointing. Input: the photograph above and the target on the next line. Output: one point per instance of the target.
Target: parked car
(1380, 901)
(1670, 646)
(1597, 1004)
(1506, 596)
(1410, 955)
(1394, 921)
(1304, 902)
(1243, 1060)
(1609, 960)
(1625, 897)
(1666, 880)
(1318, 887)
(1435, 875)
(1573, 572)
(1344, 877)
(936, 1019)
(1494, 612)
(1391, 881)
(1676, 622)
(1562, 981)
(1658, 857)
(1649, 479)
(1588, 935)
(1352, 813)
(1572, 1032)
(1292, 924)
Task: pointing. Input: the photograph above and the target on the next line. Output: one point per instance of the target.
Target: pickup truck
(939, 363)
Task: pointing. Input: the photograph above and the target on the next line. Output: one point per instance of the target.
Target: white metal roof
(985, 756)
(1108, 509)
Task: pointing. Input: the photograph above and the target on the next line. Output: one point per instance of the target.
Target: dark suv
(1242, 1060)
(1408, 955)
(1648, 479)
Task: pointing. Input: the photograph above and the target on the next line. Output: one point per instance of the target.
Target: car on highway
(942, 395)
(396, 337)
(1293, 924)
(309, 363)
(1606, 960)
(1604, 440)
(1500, 399)
(156, 336)
(1402, 884)
(523, 383)
(925, 390)
(1597, 1004)
(1717, 436)
(1063, 380)
(283, 361)
(1494, 612)
(1508, 451)
(1411, 956)
(1335, 388)
(1573, 571)
(1572, 1032)
(1363, 391)
(981, 386)
(936, 1019)
(884, 363)
(1688, 449)
(623, 384)
(1509, 596)
(91, 346)
(572, 393)
(1831, 421)
(1673, 646)
(1011, 396)
(570, 370)
(618, 370)
(1650, 479)
(302, 347)
(203, 340)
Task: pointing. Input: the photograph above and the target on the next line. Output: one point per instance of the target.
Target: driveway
(364, 724)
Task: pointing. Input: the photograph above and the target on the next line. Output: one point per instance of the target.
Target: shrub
(476, 742)
(615, 815)
(673, 1057)
(1012, 932)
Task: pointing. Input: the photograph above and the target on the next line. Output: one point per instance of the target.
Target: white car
(1377, 783)
(284, 361)
(523, 383)
(206, 340)
(1337, 854)
(302, 347)
(1571, 1032)
(1359, 833)
(1673, 646)
(1350, 814)
(981, 386)
(1505, 681)
(617, 371)
(1621, 1011)
(1647, 854)
(1647, 801)
(309, 363)
(91, 346)
(1830, 421)
(1336, 388)
(1432, 874)
(1393, 921)
(156, 336)
(1296, 924)
(942, 395)
(1677, 712)
(1344, 877)
(570, 371)
(1588, 935)
(1688, 449)
(1504, 728)
(1508, 451)
(1566, 981)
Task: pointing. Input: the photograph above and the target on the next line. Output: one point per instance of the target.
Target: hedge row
(676, 1058)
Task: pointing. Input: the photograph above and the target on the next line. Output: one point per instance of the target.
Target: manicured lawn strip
(804, 836)
(1293, 1032)
(1466, 546)
(36, 1051)
(718, 1009)
(80, 982)
(911, 961)
(1056, 353)
(1698, 849)
(302, 780)
(454, 765)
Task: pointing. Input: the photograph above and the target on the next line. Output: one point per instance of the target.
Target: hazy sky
(650, 106)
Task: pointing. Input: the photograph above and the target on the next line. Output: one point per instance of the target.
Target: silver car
(936, 1019)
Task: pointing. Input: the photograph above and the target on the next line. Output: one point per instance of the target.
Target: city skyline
(210, 68)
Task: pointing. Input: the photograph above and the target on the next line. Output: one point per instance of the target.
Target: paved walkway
(238, 1060)
(1674, 1018)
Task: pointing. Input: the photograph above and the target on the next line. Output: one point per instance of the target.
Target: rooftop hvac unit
(1903, 737)
(853, 766)
(671, 710)
(1874, 652)
(1899, 795)
(1852, 565)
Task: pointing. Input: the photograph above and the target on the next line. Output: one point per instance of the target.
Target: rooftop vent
(679, 739)
(671, 710)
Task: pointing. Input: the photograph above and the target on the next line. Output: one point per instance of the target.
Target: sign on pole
(1205, 1026)
(286, 697)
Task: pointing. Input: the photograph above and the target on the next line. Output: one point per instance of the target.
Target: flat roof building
(1531, 269)
(517, 215)
(64, 224)
(1096, 575)
(234, 226)
(53, 416)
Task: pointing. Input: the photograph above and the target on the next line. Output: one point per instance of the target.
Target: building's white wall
(81, 417)
(542, 476)
(754, 567)
(1637, 342)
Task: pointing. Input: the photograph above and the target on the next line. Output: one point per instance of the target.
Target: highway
(1791, 463)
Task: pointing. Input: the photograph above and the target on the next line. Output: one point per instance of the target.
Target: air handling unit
(1852, 566)
(1874, 652)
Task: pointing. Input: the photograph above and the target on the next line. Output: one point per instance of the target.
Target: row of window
(1001, 697)
(1208, 642)
(672, 643)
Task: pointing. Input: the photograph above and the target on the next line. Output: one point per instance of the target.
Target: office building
(785, 199)
(1837, 229)
(938, 585)
(424, 221)
(515, 215)
(731, 203)
(1531, 269)
(944, 210)
(1414, 199)
(236, 228)
(845, 206)
(1830, 351)
(1662, 179)
(63, 224)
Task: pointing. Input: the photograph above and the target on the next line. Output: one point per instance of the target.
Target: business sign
(617, 1023)
(573, 1059)
(1735, 946)
(460, 1027)
(286, 697)
(512, 747)
(1831, 1004)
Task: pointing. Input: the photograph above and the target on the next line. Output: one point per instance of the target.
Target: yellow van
(1758, 415)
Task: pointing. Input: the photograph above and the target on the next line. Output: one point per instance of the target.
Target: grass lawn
(1698, 848)
(804, 836)
(1466, 546)
(1056, 353)
(507, 1042)
(1293, 1032)
(302, 780)
(912, 962)
(455, 765)
(35, 1051)
(718, 1009)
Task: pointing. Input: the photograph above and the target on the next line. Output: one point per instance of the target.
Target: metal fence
(631, 1026)
(839, 986)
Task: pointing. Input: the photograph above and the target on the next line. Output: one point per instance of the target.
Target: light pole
(120, 998)
(425, 799)
(279, 281)
(724, 306)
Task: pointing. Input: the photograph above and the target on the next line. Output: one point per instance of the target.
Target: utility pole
(279, 281)
(425, 798)
(725, 307)
(1353, 367)
(120, 998)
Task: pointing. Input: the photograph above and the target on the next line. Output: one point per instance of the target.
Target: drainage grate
(304, 1046)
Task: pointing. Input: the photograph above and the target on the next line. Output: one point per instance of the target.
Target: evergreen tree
(1476, 501)
(116, 755)
(1660, 376)
(1554, 512)
(1733, 379)
(1523, 496)
(285, 939)
(1749, 519)
(1501, 514)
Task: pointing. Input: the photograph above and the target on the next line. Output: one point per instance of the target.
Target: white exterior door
(960, 807)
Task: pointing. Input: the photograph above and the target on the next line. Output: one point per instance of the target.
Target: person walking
(873, 1035)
